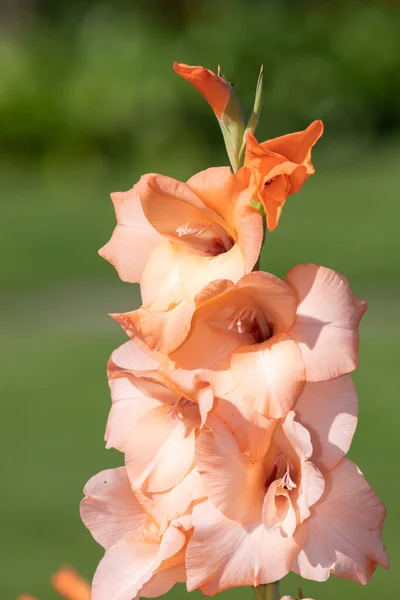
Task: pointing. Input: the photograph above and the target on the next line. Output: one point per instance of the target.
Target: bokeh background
(89, 102)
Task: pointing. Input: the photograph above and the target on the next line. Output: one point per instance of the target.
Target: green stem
(269, 591)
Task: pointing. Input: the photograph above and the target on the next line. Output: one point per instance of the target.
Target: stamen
(253, 322)
(283, 468)
(189, 229)
(175, 410)
(208, 239)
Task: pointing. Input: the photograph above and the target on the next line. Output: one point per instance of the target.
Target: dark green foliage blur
(89, 102)
(95, 77)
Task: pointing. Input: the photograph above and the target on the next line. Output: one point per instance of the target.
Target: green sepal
(255, 115)
(258, 206)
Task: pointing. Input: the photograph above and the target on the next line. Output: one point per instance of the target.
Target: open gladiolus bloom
(233, 404)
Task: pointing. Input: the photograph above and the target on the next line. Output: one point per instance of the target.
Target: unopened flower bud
(221, 96)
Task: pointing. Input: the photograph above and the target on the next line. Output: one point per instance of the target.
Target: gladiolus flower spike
(232, 398)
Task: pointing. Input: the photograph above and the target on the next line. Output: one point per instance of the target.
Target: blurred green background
(89, 102)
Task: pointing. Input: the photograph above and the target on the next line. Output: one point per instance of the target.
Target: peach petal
(131, 356)
(161, 280)
(160, 451)
(326, 327)
(205, 399)
(233, 483)
(129, 565)
(218, 189)
(312, 482)
(278, 511)
(110, 510)
(169, 204)
(206, 351)
(129, 404)
(229, 195)
(344, 530)
(251, 430)
(298, 436)
(170, 505)
(229, 264)
(258, 290)
(274, 297)
(311, 489)
(270, 374)
(133, 239)
(166, 330)
(329, 411)
(242, 555)
(280, 167)
(297, 146)
(163, 581)
(249, 226)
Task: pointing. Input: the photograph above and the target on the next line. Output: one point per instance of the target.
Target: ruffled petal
(329, 411)
(273, 296)
(233, 483)
(198, 271)
(110, 510)
(130, 564)
(297, 146)
(161, 448)
(161, 280)
(326, 327)
(251, 430)
(219, 189)
(270, 375)
(129, 404)
(207, 353)
(344, 530)
(132, 356)
(166, 330)
(170, 505)
(163, 582)
(133, 239)
(169, 204)
(242, 555)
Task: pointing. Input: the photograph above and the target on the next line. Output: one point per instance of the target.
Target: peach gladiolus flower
(153, 421)
(155, 417)
(143, 557)
(215, 89)
(69, 584)
(263, 337)
(301, 507)
(176, 237)
(281, 166)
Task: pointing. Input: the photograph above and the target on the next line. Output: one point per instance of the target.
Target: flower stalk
(269, 591)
